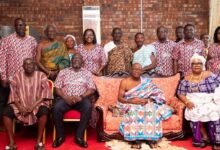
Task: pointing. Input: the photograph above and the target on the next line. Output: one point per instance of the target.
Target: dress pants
(60, 107)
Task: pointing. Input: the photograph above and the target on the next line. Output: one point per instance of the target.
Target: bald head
(136, 70)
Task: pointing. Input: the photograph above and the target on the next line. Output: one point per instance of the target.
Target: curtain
(214, 16)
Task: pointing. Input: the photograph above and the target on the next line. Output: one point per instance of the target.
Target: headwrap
(201, 58)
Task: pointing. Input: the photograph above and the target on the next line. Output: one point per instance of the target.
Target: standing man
(52, 55)
(144, 55)
(13, 50)
(74, 86)
(118, 53)
(206, 40)
(179, 33)
(164, 50)
(185, 49)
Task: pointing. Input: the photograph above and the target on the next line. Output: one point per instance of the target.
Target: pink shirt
(13, 50)
(74, 83)
(184, 51)
(164, 52)
(93, 59)
(214, 61)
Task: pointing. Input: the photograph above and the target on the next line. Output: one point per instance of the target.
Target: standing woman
(213, 59)
(93, 54)
(71, 45)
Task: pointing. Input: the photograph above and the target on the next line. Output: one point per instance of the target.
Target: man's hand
(138, 101)
(5, 83)
(69, 100)
(23, 110)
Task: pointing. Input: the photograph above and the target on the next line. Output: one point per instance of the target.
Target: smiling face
(89, 37)
(197, 66)
(77, 61)
(70, 43)
(20, 27)
(189, 32)
(139, 40)
(136, 71)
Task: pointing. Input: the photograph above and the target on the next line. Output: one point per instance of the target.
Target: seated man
(74, 86)
(29, 90)
(144, 109)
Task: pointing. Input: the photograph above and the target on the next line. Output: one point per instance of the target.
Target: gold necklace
(196, 88)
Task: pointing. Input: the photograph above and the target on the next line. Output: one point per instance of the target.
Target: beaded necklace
(196, 88)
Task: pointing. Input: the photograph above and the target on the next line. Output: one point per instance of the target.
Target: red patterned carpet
(25, 139)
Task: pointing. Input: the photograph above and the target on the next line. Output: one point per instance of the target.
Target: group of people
(26, 66)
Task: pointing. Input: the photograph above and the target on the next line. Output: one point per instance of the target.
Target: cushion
(108, 89)
(168, 85)
(72, 114)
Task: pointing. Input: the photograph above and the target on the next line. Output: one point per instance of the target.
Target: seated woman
(196, 91)
(71, 45)
(144, 109)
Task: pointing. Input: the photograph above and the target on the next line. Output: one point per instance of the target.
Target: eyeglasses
(194, 64)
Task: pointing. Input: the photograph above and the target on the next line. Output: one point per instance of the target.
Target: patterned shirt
(119, 59)
(214, 62)
(184, 51)
(27, 90)
(164, 53)
(13, 50)
(74, 83)
(93, 59)
(208, 85)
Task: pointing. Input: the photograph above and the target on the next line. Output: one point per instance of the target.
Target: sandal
(203, 144)
(152, 144)
(136, 145)
(8, 147)
(39, 146)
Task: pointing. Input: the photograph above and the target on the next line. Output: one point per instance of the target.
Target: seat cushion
(112, 123)
(72, 114)
(168, 85)
(108, 89)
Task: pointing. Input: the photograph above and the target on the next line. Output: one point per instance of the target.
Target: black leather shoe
(81, 142)
(59, 141)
